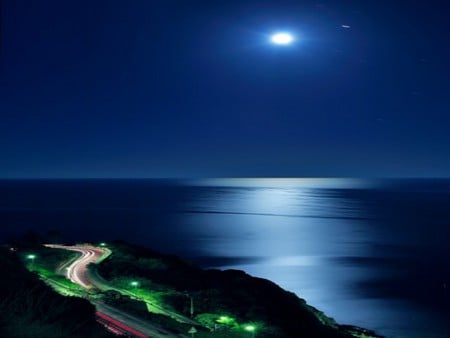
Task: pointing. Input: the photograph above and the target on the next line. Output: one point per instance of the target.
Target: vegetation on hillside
(155, 287)
(227, 300)
(29, 308)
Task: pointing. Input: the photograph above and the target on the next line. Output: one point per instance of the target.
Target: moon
(282, 38)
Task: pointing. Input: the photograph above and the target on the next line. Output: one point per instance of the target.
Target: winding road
(113, 318)
(76, 271)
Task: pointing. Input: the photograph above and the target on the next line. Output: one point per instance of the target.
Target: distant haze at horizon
(196, 178)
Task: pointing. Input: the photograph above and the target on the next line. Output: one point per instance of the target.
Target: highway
(103, 285)
(117, 327)
(112, 318)
(76, 271)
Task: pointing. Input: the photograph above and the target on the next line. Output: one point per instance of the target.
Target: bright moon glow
(282, 38)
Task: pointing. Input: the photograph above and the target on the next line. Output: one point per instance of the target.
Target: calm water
(369, 253)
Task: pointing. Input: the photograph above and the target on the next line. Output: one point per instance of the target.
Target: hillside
(31, 309)
(229, 299)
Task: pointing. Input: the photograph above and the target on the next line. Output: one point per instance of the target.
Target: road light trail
(76, 272)
(136, 323)
(118, 327)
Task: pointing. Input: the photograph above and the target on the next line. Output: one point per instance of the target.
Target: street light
(31, 257)
(191, 310)
(225, 320)
(251, 329)
(134, 284)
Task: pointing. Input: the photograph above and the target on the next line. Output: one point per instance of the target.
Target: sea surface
(373, 253)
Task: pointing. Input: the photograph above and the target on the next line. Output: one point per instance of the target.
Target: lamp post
(32, 258)
(191, 310)
(134, 284)
(192, 306)
(251, 329)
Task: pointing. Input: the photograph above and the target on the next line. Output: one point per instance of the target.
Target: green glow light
(31, 256)
(102, 244)
(134, 284)
(225, 320)
(250, 328)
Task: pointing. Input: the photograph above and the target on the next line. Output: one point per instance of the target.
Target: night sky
(161, 88)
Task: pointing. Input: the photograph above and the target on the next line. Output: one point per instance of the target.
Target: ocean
(372, 253)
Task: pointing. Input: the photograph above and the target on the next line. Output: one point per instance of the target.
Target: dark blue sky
(194, 88)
